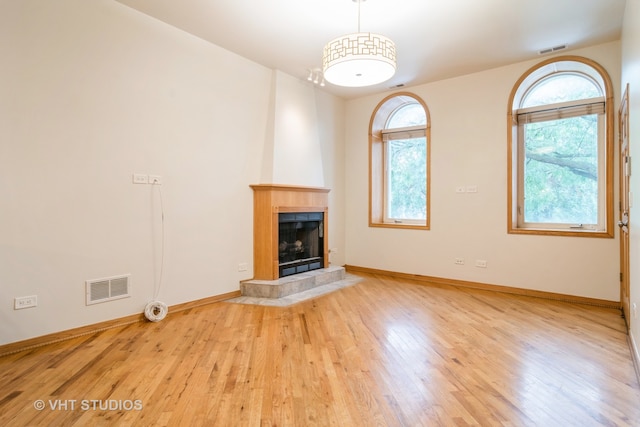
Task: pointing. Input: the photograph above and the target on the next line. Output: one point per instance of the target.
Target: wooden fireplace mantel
(268, 201)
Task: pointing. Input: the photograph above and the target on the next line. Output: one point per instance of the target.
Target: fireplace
(300, 242)
(289, 230)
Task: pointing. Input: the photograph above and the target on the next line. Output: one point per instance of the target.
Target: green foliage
(407, 178)
(561, 171)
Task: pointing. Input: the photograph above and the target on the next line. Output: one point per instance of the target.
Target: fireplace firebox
(300, 242)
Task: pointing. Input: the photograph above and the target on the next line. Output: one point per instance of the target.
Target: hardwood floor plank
(386, 351)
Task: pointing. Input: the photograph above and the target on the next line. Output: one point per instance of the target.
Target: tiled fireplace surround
(269, 200)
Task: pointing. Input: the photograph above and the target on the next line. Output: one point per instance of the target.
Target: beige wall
(469, 147)
(631, 76)
(91, 92)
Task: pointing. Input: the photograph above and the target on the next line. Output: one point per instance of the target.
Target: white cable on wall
(159, 282)
(155, 311)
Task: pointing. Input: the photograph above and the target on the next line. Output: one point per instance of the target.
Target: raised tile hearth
(288, 285)
(294, 289)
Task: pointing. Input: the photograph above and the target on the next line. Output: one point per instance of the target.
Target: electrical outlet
(25, 302)
(460, 189)
(243, 266)
(472, 189)
(481, 263)
(459, 261)
(155, 179)
(140, 178)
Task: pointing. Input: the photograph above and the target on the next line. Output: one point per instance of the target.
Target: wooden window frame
(513, 152)
(377, 124)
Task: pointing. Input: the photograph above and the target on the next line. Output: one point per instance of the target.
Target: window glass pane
(407, 169)
(561, 88)
(407, 115)
(561, 171)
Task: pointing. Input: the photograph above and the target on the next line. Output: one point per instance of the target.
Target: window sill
(399, 225)
(564, 233)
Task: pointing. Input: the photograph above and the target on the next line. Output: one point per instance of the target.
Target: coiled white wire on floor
(155, 311)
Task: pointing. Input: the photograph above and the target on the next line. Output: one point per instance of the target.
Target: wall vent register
(107, 289)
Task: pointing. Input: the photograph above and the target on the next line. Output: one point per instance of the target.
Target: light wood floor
(383, 352)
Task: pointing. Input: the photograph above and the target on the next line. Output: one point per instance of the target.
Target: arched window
(399, 168)
(560, 150)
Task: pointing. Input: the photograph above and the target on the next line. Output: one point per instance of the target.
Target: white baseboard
(635, 355)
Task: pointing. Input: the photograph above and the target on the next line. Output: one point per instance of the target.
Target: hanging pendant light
(359, 59)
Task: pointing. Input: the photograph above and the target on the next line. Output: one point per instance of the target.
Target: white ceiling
(435, 39)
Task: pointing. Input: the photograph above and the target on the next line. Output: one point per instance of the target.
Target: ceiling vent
(552, 49)
(107, 289)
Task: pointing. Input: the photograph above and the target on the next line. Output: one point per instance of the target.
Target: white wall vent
(107, 289)
(552, 49)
